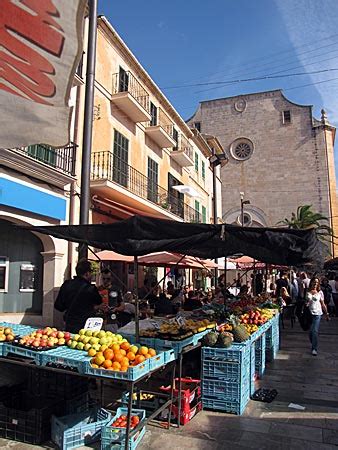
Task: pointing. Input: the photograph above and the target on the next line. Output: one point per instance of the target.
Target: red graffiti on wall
(24, 30)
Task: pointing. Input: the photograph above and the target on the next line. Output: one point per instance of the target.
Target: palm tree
(306, 218)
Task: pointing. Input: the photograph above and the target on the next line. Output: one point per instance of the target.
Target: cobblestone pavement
(299, 378)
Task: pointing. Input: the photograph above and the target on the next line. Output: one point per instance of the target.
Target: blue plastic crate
(79, 429)
(149, 342)
(231, 407)
(108, 444)
(235, 353)
(156, 361)
(74, 359)
(226, 390)
(133, 373)
(169, 355)
(114, 437)
(18, 328)
(252, 369)
(21, 351)
(225, 370)
(260, 356)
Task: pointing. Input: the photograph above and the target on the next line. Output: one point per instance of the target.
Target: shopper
(282, 282)
(163, 306)
(78, 298)
(334, 285)
(317, 307)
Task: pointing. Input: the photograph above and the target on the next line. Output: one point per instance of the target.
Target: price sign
(180, 320)
(94, 323)
(155, 325)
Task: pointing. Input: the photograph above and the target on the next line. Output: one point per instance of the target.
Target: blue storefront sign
(27, 198)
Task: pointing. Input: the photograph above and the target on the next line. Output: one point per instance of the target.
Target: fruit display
(174, 331)
(122, 421)
(6, 334)
(119, 357)
(222, 339)
(224, 327)
(97, 341)
(44, 339)
(143, 396)
(254, 317)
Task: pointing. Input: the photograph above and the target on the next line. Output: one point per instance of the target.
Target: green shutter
(203, 170)
(196, 162)
(204, 214)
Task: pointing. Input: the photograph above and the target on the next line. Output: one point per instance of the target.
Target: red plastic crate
(190, 390)
(186, 414)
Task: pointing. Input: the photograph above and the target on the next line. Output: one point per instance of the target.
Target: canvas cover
(141, 235)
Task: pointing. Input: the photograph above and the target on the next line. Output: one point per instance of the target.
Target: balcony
(106, 166)
(160, 129)
(130, 97)
(61, 159)
(183, 154)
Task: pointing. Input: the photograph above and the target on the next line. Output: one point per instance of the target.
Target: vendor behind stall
(78, 298)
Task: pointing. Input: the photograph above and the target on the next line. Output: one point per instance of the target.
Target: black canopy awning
(140, 235)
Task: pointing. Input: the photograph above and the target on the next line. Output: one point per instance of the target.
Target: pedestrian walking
(317, 307)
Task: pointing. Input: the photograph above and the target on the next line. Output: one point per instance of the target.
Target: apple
(61, 341)
(80, 346)
(43, 344)
(74, 344)
(60, 334)
(67, 335)
(69, 342)
(76, 337)
(9, 337)
(87, 347)
(50, 343)
(82, 331)
(36, 343)
(54, 334)
(89, 333)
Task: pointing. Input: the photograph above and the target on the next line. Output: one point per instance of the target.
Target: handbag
(305, 318)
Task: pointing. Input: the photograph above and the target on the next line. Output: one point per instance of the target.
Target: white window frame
(6, 265)
(286, 122)
(22, 268)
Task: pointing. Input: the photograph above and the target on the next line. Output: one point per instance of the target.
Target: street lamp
(243, 202)
(215, 160)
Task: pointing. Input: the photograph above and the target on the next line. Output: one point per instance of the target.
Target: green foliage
(306, 218)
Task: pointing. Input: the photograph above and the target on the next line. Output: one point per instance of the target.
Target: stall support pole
(179, 389)
(88, 123)
(137, 309)
(130, 407)
(266, 278)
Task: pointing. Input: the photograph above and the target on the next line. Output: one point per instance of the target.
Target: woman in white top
(316, 304)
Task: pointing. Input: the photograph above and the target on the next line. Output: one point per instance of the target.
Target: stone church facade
(280, 157)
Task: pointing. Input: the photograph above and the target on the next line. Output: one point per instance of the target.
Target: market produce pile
(44, 339)
(176, 330)
(6, 334)
(238, 320)
(110, 351)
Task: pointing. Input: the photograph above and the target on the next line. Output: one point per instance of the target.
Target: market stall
(245, 353)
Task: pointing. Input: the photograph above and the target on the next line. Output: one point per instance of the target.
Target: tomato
(123, 417)
(123, 423)
(136, 420)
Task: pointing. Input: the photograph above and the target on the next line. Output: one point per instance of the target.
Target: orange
(139, 359)
(115, 347)
(98, 359)
(143, 350)
(133, 349)
(124, 368)
(123, 352)
(118, 357)
(152, 352)
(116, 365)
(108, 363)
(91, 352)
(147, 356)
(108, 354)
(125, 345)
(131, 356)
(125, 361)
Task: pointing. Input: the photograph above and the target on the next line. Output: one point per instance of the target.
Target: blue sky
(190, 42)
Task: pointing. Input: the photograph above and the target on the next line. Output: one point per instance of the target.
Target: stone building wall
(289, 163)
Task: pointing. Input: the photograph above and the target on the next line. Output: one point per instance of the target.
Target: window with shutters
(152, 193)
(120, 163)
(196, 161)
(204, 214)
(203, 170)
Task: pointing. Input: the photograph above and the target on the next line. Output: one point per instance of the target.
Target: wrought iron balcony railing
(161, 119)
(183, 145)
(126, 82)
(62, 159)
(106, 166)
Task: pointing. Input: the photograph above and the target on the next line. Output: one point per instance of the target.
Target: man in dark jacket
(78, 298)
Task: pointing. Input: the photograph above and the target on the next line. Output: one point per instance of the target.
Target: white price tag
(155, 325)
(94, 323)
(180, 321)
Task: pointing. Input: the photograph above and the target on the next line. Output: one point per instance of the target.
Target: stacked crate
(272, 339)
(259, 349)
(226, 378)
